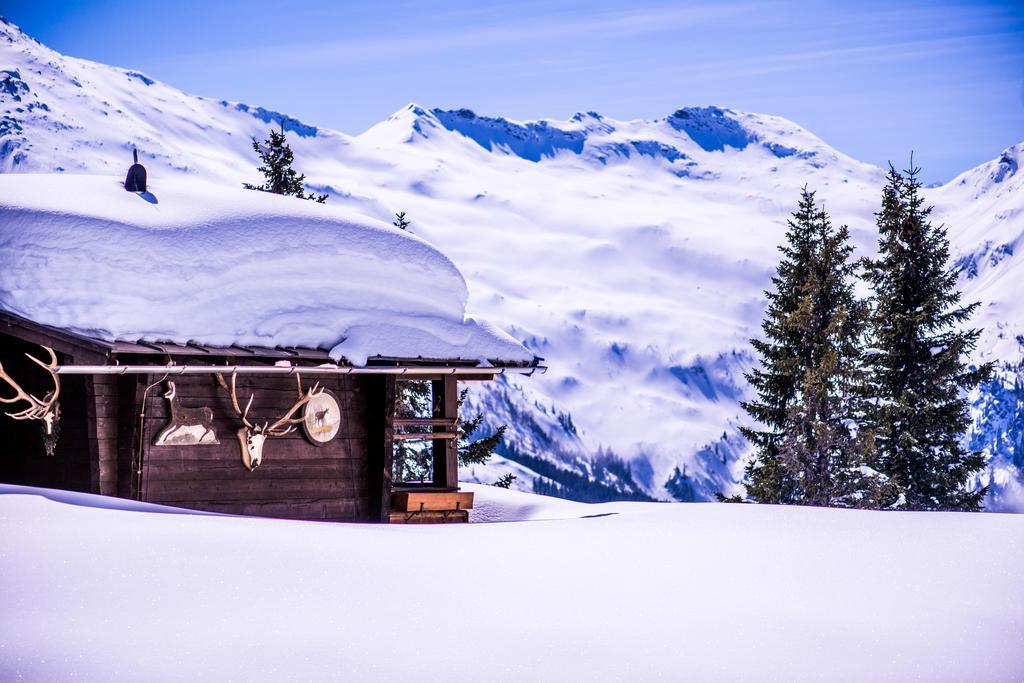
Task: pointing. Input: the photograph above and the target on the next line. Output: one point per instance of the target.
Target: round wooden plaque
(321, 418)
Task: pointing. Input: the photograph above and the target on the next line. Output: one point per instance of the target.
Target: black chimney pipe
(136, 179)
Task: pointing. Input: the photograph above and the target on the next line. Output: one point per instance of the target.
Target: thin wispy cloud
(489, 32)
(868, 76)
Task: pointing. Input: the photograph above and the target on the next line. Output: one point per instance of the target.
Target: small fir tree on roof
(281, 178)
(400, 221)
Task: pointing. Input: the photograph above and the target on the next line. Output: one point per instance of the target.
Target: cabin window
(413, 461)
(426, 433)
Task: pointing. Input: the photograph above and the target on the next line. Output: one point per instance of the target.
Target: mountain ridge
(631, 254)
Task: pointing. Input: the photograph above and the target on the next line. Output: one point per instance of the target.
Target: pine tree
(400, 222)
(784, 358)
(809, 385)
(505, 480)
(919, 373)
(480, 450)
(823, 453)
(680, 487)
(281, 178)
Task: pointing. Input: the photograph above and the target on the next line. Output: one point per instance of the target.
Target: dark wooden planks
(380, 401)
(129, 388)
(256, 488)
(446, 406)
(102, 409)
(106, 443)
(429, 517)
(426, 436)
(448, 423)
(325, 509)
(70, 346)
(223, 469)
(295, 480)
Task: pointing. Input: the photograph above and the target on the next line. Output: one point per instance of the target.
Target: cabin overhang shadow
(174, 424)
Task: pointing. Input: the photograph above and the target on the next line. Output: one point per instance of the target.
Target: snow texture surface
(190, 261)
(619, 591)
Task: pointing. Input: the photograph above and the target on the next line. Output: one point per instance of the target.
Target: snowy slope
(985, 208)
(691, 592)
(631, 255)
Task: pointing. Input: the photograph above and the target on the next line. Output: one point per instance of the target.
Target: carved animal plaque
(321, 418)
(188, 426)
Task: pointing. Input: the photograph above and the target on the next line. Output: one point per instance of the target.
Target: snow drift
(620, 591)
(188, 261)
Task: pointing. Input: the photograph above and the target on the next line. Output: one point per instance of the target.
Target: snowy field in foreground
(621, 591)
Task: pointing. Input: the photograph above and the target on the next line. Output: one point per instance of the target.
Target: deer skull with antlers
(45, 409)
(251, 437)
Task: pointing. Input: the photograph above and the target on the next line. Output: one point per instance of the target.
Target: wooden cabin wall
(102, 424)
(106, 447)
(380, 399)
(22, 458)
(296, 479)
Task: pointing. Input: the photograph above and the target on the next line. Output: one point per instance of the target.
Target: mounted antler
(45, 409)
(252, 436)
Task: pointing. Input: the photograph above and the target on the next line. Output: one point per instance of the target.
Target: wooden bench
(430, 507)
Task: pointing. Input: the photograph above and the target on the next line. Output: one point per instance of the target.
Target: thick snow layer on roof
(189, 261)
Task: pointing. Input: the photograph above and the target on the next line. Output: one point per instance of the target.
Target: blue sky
(874, 79)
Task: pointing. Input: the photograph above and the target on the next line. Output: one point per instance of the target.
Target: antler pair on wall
(45, 409)
(252, 436)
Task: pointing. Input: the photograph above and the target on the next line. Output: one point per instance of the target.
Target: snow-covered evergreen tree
(680, 487)
(809, 384)
(505, 481)
(479, 450)
(784, 359)
(824, 452)
(918, 359)
(281, 178)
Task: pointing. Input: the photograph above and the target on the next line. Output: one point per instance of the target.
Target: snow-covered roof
(193, 262)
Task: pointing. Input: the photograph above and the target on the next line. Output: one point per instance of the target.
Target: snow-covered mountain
(984, 210)
(631, 255)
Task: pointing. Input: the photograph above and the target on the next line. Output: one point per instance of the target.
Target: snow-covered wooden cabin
(228, 350)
